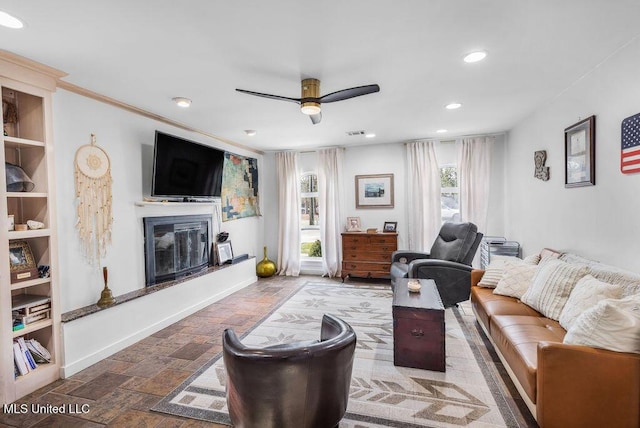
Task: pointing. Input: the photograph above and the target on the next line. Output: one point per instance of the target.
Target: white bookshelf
(27, 88)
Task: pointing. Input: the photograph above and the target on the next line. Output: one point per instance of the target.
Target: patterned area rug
(382, 395)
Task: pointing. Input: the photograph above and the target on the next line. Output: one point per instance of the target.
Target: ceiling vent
(354, 133)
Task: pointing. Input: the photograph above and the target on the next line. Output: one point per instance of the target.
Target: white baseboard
(92, 338)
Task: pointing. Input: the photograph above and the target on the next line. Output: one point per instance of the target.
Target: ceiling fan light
(310, 108)
(10, 21)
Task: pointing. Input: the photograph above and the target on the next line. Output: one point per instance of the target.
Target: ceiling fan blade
(345, 94)
(273, 97)
(316, 118)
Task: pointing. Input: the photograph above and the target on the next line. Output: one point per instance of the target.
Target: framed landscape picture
(374, 191)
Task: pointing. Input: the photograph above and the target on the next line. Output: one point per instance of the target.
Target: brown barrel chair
(297, 385)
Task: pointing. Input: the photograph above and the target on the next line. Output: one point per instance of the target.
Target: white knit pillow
(493, 273)
(516, 279)
(552, 285)
(611, 324)
(586, 294)
(533, 259)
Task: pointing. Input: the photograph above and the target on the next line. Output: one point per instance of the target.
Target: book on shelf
(27, 354)
(40, 353)
(19, 359)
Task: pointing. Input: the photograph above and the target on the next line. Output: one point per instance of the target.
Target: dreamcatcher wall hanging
(93, 191)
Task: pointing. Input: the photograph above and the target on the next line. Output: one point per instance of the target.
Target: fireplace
(175, 246)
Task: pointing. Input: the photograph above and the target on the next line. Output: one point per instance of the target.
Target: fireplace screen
(175, 246)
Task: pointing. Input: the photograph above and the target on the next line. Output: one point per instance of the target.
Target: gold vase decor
(266, 267)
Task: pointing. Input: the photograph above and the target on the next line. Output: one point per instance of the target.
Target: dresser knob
(417, 333)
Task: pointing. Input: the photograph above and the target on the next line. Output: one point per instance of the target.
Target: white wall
(128, 139)
(385, 159)
(599, 221)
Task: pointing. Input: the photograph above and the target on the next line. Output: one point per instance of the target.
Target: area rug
(381, 395)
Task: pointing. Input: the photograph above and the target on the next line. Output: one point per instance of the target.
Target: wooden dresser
(367, 255)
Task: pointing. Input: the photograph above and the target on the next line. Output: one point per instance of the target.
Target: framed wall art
(374, 191)
(630, 139)
(580, 153)
(21, 262)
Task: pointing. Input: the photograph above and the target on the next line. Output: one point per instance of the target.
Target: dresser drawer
(366, 266)
(368, 256)
(369, 239)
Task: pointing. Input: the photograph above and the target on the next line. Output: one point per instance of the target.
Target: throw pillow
(493, 273)
(516, 279)
(586, 294)
(533, 259)
(552, 285)
(611, 324)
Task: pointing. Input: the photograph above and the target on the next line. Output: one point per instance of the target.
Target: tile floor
(119, 391)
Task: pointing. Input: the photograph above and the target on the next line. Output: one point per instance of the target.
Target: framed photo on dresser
(390, 226)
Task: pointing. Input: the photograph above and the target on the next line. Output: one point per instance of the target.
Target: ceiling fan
(311, 100)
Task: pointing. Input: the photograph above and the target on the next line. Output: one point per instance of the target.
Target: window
(309, 217)
(449, 193)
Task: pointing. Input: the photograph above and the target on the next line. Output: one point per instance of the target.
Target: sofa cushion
(533, 259)
(517, 337)
(486, 304)
(516, 279)
(494, 272)
(612, 324)
(552, 285)
(586, 294)
(630, 281)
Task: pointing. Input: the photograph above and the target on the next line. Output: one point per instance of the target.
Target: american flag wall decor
(630, 155)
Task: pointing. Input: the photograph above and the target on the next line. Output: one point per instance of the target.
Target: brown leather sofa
(294, 385)
(563, 385)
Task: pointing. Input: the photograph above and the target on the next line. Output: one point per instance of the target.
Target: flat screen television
(185, 169)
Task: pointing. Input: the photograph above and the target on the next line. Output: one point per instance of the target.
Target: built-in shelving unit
(27, 142)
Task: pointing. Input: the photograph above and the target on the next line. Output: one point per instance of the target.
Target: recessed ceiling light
(250, 132)
(475, 56)
(441, 131)
(10, 21)
(453, 106)
(182, 102)
(370, 135)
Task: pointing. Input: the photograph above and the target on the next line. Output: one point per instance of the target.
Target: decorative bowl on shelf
(414, 285)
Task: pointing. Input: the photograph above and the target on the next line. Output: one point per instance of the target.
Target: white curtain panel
(289, 214)
(423, 194)
(474, 177)
(331, 209)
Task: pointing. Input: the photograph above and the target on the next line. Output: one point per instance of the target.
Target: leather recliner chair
(297, 385)
(448, 263)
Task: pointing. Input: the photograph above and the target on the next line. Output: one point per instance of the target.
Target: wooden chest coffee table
(418, 327)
